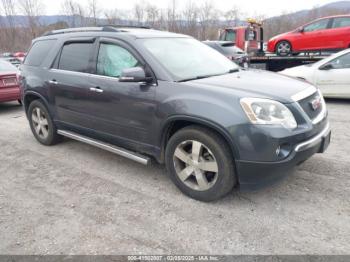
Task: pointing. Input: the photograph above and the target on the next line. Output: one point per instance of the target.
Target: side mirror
(327, 67)
(300, 30)
(134, 75)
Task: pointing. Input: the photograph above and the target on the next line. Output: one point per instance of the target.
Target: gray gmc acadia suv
(143, 94)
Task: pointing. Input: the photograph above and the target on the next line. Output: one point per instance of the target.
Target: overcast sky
(249, 7)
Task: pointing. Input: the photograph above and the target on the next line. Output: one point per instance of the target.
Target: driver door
(335, 81)
(314, 36)
(122, 111)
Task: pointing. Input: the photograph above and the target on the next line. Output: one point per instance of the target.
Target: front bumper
(253, 175)
(271, 46)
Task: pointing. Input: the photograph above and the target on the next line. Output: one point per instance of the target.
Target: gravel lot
(76, 199)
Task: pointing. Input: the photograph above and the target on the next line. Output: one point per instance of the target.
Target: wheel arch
(30, 96)
(176, 123)
(283, 40)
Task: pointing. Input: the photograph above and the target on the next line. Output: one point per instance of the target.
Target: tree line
(201, 21)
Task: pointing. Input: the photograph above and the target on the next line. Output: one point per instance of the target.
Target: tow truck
(250, 38)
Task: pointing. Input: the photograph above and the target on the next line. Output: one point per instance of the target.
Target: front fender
(203, 122)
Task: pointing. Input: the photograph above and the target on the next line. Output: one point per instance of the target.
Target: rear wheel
(41, 124)
(283, 48)
(200, 163)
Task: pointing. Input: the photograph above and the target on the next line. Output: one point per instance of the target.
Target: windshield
(187, 58)
(6, 66)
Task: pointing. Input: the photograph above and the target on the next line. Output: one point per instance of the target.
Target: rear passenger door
(70, 83)
(340, 32)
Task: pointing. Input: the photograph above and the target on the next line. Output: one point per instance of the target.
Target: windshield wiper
(196, 78)
(233, 70)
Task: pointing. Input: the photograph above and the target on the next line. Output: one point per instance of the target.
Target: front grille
(307, 105)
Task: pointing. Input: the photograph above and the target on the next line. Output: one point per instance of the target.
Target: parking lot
(76, 199)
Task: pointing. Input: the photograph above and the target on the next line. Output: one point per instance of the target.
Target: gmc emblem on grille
(316, 103)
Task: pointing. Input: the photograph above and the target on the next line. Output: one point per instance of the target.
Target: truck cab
(248, 38)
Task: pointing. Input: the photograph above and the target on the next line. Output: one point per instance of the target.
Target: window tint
(38, 52)
(341, 62)
(341, 22)
(319, 25)
(75, 57)
(113, 59)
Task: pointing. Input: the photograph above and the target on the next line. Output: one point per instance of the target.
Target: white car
(331, 75)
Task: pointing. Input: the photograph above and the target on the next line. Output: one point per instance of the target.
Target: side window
(250, 35)
(112, 59)
(75, 57)
(341, 22)
(341, 62)
(230, 36)
(319, 25)
(38, 52)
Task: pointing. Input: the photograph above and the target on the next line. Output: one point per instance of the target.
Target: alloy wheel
(195, 165)
(284, 48)
(40, 123)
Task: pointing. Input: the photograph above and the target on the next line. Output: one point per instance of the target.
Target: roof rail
(105, 28)
(81, 29)
(127, 26)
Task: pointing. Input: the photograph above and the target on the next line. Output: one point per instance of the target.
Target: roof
(137, 32)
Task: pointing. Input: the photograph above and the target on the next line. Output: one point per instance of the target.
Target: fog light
(278, 150)
(283, 150)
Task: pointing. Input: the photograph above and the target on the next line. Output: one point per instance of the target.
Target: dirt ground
(76, 199)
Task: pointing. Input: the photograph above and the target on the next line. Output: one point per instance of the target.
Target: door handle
(96, 89)
(53, 81)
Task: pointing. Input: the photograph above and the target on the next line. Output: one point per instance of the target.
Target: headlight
(268, 112)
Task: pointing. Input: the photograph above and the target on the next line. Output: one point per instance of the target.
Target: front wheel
(200, 163)
(284, 48)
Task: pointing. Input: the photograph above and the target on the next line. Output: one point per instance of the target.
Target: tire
(197, 181)
(40, 120)
(284, 48)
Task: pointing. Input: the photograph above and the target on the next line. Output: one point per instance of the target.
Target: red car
(20, 55)
(325, 34)
(9, 88)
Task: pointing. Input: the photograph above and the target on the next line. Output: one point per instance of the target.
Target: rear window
(230, 49)
(75, 57)
(38, 52)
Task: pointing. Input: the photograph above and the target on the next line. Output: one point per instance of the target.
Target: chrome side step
(108, 147)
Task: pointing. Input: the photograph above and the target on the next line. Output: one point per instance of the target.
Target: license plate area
(9, 82)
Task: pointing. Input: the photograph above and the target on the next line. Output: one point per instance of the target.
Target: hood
(298, 71)
(280, 35)
(254, 83)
